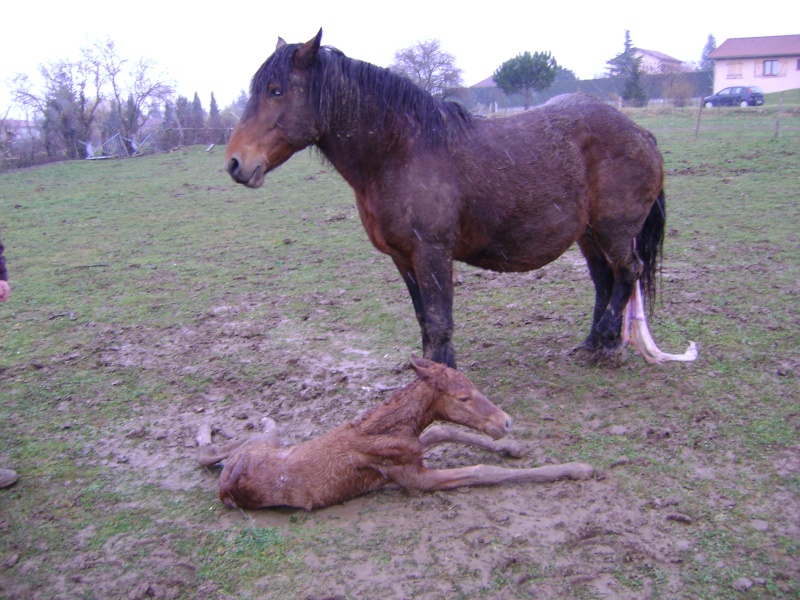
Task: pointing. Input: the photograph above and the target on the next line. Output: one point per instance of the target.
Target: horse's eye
(276, 92)
(464, 399)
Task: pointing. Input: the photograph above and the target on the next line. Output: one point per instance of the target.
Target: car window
(725, 92)
(755, 90)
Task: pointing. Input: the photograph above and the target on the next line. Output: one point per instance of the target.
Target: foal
(383, 446)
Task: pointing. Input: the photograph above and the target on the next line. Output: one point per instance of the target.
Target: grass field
(150, 295)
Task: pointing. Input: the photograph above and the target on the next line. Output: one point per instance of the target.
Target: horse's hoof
(612, 358)
(601, 356)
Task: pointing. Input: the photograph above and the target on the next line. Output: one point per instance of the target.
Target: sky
(205, 47)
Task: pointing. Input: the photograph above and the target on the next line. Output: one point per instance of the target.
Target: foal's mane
(347, 89)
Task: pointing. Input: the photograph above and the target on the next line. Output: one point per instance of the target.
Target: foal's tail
(649, 245)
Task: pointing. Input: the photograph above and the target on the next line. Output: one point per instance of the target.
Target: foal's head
(457, 400)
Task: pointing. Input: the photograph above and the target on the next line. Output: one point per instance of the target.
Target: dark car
(735, 96)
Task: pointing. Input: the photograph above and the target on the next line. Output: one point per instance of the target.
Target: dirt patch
(671, 485)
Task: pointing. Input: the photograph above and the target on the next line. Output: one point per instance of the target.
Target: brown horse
(434, 184)
(384, 446)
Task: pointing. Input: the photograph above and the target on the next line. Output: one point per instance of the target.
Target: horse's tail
(649, 245)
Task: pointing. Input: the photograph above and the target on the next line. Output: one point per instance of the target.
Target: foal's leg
(208, 454)
(428, 480)
(440, 434)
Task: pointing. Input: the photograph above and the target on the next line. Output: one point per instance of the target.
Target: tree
(628, 67)
(196, 121)
(706, 63)
(216, 133)
(525, 73)
(132, 87)
(430, 67)
(565, 74)
(67, 104)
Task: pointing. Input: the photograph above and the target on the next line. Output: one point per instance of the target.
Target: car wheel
(744, 104)
(709, 104)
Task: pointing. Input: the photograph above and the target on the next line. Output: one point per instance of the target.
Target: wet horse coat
(433, 184)
(384, 446)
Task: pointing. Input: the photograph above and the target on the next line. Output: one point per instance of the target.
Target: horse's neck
(360, 150)
(411, 408)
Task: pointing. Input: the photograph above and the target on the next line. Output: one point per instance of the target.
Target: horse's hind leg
(209, 454)
(603, 278)
(440, 434)
(428, 480)
(614, 271)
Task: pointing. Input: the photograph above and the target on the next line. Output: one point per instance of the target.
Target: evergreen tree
(197, 122)
(171, 135)
(525, 73)
(183, 118)
(628, 68)
(216, 134)
(706, 63)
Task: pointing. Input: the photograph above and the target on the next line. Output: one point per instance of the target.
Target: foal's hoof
(511, 448)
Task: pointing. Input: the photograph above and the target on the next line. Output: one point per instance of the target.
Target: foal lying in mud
(382, 447)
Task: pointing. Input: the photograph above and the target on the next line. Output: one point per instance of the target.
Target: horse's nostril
(233, 166)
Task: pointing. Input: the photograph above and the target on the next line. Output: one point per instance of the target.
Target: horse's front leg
(441, 434)
(429, 278)
(415, 478)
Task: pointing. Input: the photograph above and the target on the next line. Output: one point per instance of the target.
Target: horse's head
(277, 120)
(459, 401)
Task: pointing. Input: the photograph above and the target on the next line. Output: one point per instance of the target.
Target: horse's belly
(515, 250)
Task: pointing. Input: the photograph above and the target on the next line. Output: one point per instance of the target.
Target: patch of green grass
(151, 289)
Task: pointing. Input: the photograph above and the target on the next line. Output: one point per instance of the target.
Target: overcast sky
(204, 47)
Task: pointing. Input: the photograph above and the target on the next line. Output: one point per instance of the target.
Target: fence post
(778, 116)
(699, 114)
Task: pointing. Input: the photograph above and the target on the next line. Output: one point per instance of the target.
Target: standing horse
(434, 184)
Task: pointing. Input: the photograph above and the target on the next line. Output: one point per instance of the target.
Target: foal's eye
(276, 92)
(464, 399)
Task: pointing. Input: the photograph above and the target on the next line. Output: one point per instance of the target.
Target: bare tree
(66, 105)
(430, 67)
(133, 86)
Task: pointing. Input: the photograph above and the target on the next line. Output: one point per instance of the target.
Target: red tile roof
(776, 45)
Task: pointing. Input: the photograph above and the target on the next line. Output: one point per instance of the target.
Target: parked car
(736, 96)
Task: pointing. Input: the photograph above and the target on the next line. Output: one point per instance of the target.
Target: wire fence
(26, 148)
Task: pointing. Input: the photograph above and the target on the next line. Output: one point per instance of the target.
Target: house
(771, 63)
(656, 62)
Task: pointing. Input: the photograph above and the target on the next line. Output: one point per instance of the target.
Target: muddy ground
(638, 529)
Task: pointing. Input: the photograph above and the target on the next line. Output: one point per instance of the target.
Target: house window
(771, 68)
(734, 70)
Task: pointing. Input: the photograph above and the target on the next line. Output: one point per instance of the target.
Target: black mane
(343, 88)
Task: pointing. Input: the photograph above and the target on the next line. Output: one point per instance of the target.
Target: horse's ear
(422, 367)
(281, 43)
(306, 53)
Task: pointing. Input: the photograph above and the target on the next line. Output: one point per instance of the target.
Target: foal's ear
(306, 53)
(281, 43)
(422, 367)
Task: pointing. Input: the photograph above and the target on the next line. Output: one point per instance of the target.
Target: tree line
(529, 74)
(104, 104)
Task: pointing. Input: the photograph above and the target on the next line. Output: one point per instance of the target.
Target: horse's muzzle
(252, 178)
(498, 425)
